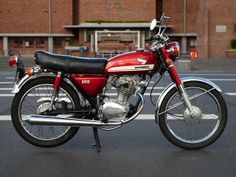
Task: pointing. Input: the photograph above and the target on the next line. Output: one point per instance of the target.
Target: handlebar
(163, 17)
(152, 38)
(160, 37)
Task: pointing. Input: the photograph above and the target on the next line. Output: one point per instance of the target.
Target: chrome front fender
(172, 85)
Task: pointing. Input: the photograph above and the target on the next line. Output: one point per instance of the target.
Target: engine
(116, 109)
(126, 86)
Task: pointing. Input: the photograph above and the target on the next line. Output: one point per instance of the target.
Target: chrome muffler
(75, 122)
(59, 121)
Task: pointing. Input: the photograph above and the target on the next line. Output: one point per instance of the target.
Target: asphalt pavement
(136, 150)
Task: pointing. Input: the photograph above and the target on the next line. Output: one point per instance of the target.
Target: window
(40, 43)
(29, 43)
(193, 42)
(18, 43)
(147, 34)
(116, 41)
(58, 42)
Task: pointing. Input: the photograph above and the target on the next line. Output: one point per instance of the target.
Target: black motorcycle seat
(70, 64)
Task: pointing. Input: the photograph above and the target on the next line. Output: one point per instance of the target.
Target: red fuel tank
(137, 62)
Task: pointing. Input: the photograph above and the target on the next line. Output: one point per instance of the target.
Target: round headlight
(173, 50)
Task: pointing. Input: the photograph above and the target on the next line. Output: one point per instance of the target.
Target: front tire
(32, 99)
(189, 133)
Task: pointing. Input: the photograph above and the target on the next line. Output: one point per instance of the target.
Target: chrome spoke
(191, 130)
(35, 99)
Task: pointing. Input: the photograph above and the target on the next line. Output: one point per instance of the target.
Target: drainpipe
(184, 38)
(185, 16)
(50, 38)
(49, 16)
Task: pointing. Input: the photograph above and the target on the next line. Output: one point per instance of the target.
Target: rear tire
(185, 138)
(24, 129)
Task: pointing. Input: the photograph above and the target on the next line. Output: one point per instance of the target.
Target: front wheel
(181, 129)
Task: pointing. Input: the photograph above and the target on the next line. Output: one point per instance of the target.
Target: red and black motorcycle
(63, 93)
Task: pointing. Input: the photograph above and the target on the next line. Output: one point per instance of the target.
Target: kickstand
(96, 138)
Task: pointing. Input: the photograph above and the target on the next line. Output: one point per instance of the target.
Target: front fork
(176, 79)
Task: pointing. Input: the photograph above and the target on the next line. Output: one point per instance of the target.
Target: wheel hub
(192, 119)
(43, 108)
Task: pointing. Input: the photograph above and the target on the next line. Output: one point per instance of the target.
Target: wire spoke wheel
(35, 98)
(37, 101)
(189, 132)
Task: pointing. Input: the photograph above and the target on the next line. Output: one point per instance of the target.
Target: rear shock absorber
(56, 87)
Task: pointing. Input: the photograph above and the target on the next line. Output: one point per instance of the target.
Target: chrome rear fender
(172, 85)
(28, 78)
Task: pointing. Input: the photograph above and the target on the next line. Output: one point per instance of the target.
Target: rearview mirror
(153, 24)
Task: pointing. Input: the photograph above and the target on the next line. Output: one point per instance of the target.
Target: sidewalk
(210, 64)
(214, 64)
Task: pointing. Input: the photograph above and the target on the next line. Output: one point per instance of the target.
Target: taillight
(12, 60)
(173, 50)
(30, 72)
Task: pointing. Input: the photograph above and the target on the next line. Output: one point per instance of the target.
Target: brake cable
(153, 88)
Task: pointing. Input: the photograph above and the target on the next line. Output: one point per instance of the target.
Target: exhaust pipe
(74, 122)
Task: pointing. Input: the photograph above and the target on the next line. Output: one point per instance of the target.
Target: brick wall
(23, 16)
(202, 30)
(61, 15)
(26, 16)
(211, 14)
(175, 9)
(221, 13)
(113, 10)
(192, 15)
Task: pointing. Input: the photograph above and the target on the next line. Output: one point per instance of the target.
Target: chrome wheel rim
(193, 131)
(29, 105)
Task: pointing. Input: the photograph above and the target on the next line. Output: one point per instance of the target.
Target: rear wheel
(184, 131)
(34, 98)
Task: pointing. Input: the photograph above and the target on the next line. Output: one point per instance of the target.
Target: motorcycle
(63, 93)
(15, 60)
